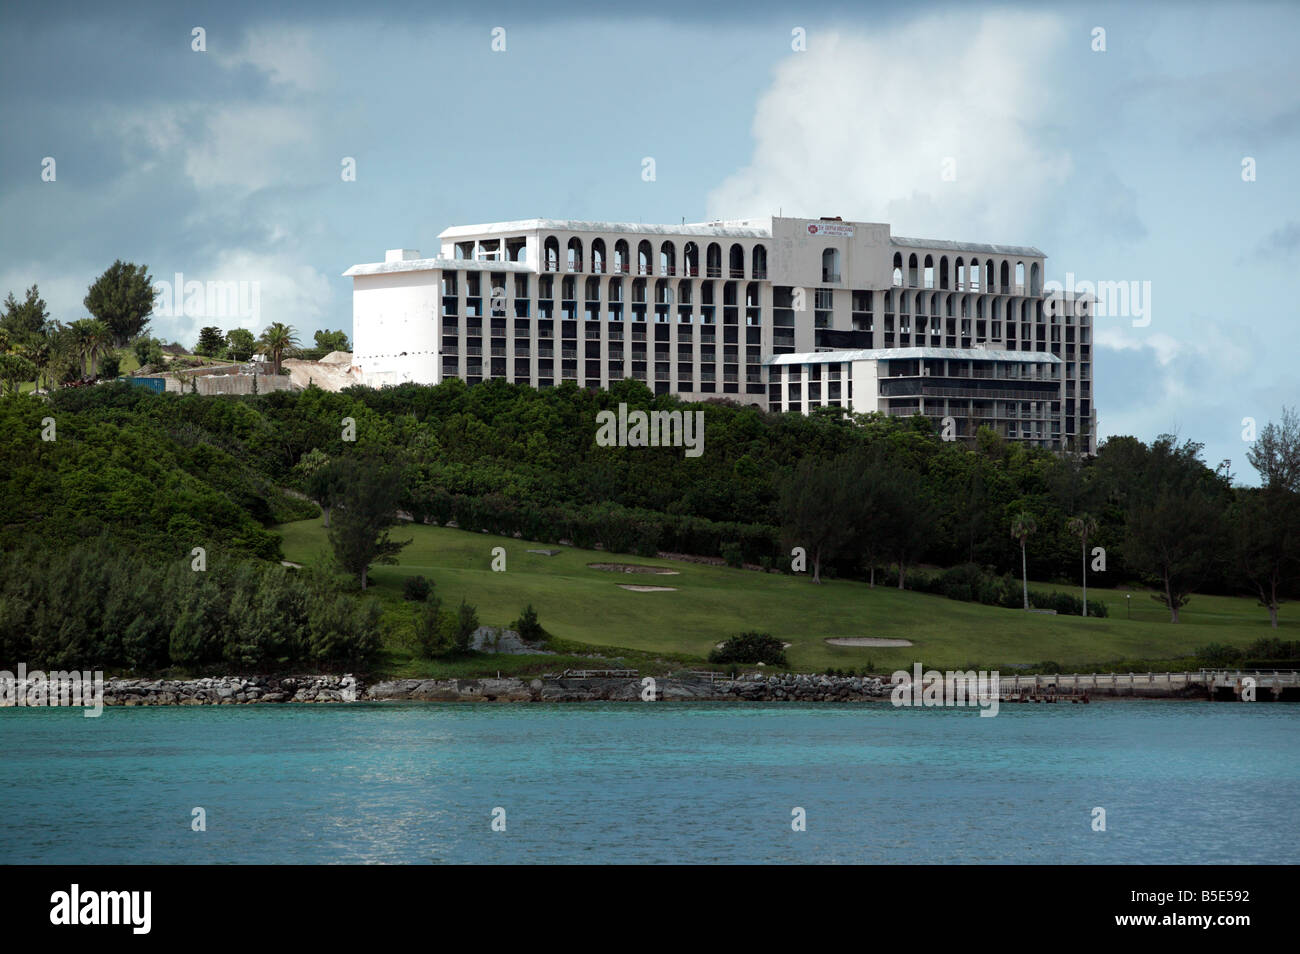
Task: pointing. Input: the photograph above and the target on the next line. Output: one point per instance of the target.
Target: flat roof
(903, 354)
(945, 245)
(577, 225)
(437, 264)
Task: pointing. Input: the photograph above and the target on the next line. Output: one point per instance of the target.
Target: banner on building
(836, 229)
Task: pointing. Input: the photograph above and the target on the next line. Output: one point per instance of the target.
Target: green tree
(14, 371)
(1022, 527)
(122, 298)
(1173, 532)
(277, 342)
(26, 319)
(1276, 453)
(815, 509)
(529, 627)
(148, 351)
(327, 341)
(211, 341)
(240, 344)
(466, 624)
(1266, 543)
(366, 501)
(432, 629)
(907, 517)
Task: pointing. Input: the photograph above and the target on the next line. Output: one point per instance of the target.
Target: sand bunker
(866, 641)
(647, 589)
(784, 645)
(633, 568)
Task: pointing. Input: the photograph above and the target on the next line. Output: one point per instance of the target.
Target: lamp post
(1128, 601)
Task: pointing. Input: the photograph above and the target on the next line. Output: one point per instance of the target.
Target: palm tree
(92, 339)
(1022, 525)
(277, 341)
(81, 336)
(1083, 526)
(101, 342)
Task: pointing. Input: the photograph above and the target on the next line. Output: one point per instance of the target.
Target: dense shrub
(750, 648)
(974, 584)
(416, 589)
(529, 627)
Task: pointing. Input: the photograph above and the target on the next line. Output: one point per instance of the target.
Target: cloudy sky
(1129, 164)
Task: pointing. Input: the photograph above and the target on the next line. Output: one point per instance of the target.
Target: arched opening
(1020, 278)
(663, 292)
(913, 272)
(713, 260)
(575, 254)
(644, 254)
(552, 253)
(615, 289)
(691, 259)
(830, 265)
(898, 269)
(943, 271)
(759, 262)
(929, 272)
(1035, 279)
(737, 261)
(598, 255)
(668, 259)
(752, 292)
(622, 257)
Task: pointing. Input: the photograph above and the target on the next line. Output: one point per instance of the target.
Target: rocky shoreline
(250, 690)
(754, 687)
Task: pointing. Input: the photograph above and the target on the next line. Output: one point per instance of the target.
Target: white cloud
(286, 54)
(250, 147)
(860, 126)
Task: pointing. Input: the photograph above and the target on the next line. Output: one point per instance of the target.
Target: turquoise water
(659, 782)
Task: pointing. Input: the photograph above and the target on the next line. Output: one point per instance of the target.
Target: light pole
(1128, 601)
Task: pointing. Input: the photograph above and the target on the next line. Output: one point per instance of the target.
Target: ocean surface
(1180, 782)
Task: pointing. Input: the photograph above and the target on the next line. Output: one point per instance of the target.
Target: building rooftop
(577, 225)
(944, 245)
(879, 354)
(433, 264)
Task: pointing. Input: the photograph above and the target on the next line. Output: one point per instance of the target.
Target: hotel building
(786, 314)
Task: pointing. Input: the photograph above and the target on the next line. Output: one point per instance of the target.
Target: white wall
(394, 313)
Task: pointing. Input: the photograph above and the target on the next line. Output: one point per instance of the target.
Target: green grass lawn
(585, 606)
